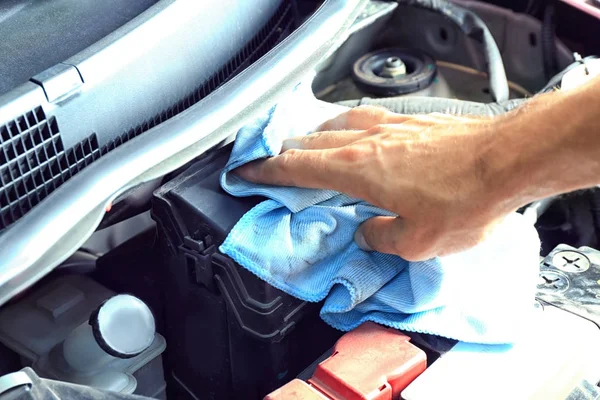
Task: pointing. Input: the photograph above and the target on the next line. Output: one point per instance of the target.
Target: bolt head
(393, 62)
(571, 261)
(393, 67)
(552, 282)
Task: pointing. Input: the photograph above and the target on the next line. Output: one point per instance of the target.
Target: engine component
(371, 362)
(570, 280)
(586, 71)
(548, 33)
(474, 27)
(391, 72)
(556, 80)
(452, 81)
(27, 385)
(90, 337)
(365, 29)
(122, 327)
(519, 38)
(551, 360)
(462, 79)
(234, 335)
(393, 66)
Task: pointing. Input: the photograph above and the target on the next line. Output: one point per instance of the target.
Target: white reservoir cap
(123, 326)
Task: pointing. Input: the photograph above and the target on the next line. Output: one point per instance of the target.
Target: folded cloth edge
(227, 248)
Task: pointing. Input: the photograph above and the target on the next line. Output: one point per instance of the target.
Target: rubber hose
(549, 52)
(474, 27)
(425, 105)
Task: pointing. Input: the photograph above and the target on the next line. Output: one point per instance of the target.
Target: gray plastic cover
(152, 68)
(39, 34)
(54, 229)
(518, 37)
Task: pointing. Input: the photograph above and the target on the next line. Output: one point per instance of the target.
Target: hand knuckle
(362, 110)
(309, 139)
(357, 112)
(368, 113)
(377, 129)
(350, 154)
(290, 154)
(287, 158)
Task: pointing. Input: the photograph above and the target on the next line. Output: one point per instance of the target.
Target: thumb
(390, 235)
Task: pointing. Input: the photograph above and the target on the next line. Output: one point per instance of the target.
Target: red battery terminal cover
(371, 363)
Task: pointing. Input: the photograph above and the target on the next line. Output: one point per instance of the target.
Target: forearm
(548, 147)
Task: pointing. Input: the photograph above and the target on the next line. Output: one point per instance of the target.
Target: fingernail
(359, 238)
(292, 143)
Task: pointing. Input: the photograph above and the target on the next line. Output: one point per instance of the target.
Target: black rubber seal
(95, 323)
(420, 67)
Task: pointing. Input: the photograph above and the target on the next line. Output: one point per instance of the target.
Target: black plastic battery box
(229, 334)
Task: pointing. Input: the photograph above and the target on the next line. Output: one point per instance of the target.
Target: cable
(533, 6)
(474, 27)
(549, 52)
(514, 87)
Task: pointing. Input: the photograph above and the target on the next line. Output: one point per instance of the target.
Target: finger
(392, 235)
(440, 118)
(337, 139)
(334, 139)
(363, 118)
(460, 118)
(316, 169)
(323, 140)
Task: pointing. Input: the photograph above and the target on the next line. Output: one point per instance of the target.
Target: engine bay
(148, 307)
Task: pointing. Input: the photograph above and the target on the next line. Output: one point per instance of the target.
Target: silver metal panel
(54, 229)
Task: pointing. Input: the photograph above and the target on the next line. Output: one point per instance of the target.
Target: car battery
(370, 362)
(230, 334)
(555, 358)
(570, 279)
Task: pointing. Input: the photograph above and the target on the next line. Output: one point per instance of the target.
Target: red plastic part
(370, 363)
(297, 390)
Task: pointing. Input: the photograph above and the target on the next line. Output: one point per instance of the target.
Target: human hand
(433, 171)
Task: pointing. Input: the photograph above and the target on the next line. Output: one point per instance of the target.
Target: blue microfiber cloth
(302, 242)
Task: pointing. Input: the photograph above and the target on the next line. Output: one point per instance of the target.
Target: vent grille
(33, 162)
(276, 29)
